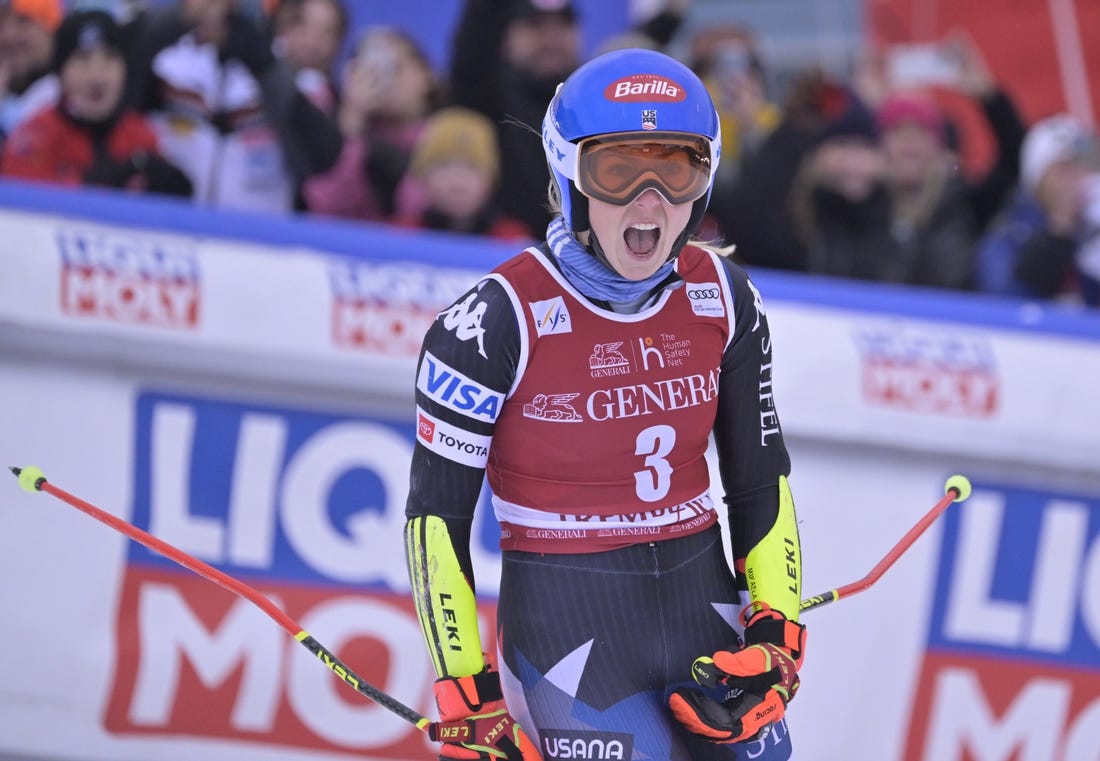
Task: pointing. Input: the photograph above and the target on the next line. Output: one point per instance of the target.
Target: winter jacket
(122, 152)
(1021, 257)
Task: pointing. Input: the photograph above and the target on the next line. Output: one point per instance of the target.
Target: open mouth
(641, 239)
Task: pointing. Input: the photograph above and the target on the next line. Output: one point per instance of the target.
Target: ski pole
(956, 489)
(33, 480)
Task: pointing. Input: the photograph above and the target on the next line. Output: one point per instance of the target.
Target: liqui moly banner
(308, 508)
(1011, 669)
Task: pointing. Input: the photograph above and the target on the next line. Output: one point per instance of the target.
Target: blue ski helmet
(626, 91)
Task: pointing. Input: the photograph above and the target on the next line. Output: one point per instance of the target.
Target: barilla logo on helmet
(649, 88)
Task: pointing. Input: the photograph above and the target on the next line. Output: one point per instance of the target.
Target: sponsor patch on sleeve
(449, 441)
(442, 383)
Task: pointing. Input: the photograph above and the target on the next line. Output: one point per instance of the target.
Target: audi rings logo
(703, 293)
(706, 299)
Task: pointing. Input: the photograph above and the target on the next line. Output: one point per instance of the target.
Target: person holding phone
(389, 91)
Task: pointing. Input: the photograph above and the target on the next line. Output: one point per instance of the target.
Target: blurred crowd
(253, 105)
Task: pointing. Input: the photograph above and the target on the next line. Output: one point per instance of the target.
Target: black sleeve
(748, 438)
(988, 195)
(477, 56)
(310, 139)
(485, 350)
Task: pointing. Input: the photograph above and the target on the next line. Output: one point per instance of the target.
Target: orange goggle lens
(616, 169)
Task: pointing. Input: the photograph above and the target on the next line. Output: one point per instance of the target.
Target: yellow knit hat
(457, 134)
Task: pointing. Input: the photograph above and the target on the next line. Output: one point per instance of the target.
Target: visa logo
(443, 384)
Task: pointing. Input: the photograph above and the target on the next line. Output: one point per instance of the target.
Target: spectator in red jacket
(89, 137)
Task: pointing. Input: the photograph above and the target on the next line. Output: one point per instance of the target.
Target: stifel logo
(644, 88)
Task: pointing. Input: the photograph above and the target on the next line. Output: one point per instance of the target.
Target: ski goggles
(618, 168)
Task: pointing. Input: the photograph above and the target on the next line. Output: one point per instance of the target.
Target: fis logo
(129, 277)
(551, 317)
(442, 383)
(1012, 666)
(706, 299)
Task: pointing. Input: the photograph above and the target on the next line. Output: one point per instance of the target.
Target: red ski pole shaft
(956, 489)
(32, 479)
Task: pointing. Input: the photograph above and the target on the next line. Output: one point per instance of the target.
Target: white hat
(1054, 139)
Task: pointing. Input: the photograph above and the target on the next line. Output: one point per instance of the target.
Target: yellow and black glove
(475, 724)
(761, 677)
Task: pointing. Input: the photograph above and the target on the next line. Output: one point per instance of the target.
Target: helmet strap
(578, 209)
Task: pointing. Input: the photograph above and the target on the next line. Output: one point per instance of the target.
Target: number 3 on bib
(653, 482)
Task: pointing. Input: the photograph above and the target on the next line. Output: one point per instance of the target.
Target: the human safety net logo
(1012, 667)
(307, 508)
(129, 277)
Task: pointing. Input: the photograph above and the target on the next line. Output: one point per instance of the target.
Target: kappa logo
(606, 359)
(758, 302)
(464, 320)
(553, 407)
(551, 316)
(706, 299)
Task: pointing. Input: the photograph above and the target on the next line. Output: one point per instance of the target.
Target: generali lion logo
(648, 88)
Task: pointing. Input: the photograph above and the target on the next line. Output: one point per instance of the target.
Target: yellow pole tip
(960, 484)
(30, 477)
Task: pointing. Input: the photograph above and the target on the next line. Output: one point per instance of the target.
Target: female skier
(584, 377)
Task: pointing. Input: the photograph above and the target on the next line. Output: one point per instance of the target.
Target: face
(1062, 186)
(92, 83)
(25, 46)
(313, 38)
(208, 16)
(546, 45)
(637, 238)
(458, 189)
(400, 82)
(911, 153)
